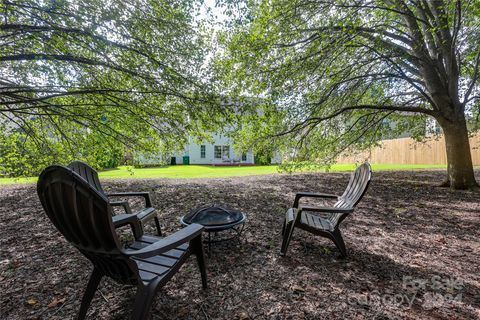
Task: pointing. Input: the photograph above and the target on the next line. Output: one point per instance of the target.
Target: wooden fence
(408, 151)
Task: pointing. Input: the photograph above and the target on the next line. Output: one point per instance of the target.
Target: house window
(222, 152)
(226, 152)
(218, 152)
(202, 151)
(244, 156)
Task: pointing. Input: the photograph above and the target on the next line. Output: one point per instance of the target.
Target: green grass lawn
(196, 171)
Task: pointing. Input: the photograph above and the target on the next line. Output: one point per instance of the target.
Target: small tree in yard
(339, 68)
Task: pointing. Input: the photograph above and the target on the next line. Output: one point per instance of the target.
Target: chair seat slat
(160, 259)
(316, 222)
(147, 276)
(152, 267)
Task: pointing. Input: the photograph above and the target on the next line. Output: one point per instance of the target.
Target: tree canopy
(80, 76)
(342, 71)
(74, 72)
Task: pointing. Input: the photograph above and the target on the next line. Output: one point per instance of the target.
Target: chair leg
(287, 236)
(157, 224)
(197, 247)
(137, 230)
(92, 286)
(144, 299)
(339, 243)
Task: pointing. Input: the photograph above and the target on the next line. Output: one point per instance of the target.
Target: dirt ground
(414, 253)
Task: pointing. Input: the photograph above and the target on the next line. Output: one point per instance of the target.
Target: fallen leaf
(243, 315)
(56, 302)
(32, 302)
(297, 288)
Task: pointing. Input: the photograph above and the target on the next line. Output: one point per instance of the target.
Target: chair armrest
(300, 195)
(121, 220)
(123, 204)
(165, 244)
(327, 209)
(145, 195)
(146, 214)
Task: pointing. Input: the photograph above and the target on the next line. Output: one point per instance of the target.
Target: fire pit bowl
(214, 218)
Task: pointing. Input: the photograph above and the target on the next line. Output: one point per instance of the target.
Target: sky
(213, 13)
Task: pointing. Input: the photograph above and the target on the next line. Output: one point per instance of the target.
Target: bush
(22, 155)
(263, 159)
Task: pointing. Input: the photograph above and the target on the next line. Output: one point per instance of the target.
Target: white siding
(151, 159)
(276, 158)
(193, 151)
(219, 140)
(179, 156)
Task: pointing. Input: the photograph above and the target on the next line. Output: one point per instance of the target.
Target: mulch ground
(414, 253)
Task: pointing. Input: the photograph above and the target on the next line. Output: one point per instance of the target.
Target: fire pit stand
(216, 219)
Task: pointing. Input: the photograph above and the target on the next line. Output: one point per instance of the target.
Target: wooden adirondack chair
(325, 221)
(144, 215)
(83, 216)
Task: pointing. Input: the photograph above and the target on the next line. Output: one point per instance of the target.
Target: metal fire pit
(215, 219)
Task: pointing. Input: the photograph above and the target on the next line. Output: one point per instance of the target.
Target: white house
(220, 152)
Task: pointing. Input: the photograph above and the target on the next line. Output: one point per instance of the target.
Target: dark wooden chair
(144, 215)
(325, 221)
(83, 216)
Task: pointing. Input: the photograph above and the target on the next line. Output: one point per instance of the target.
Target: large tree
(339, 68)
(130, 70)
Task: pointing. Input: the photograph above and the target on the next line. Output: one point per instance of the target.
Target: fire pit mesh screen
(213, 216)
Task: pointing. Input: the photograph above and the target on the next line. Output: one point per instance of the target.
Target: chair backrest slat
(83, 216)
(87, 173)
(356, 188)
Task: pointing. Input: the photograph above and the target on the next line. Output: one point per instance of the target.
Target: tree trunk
(459, 157)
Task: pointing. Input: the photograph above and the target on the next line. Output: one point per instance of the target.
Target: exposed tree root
(445, 184)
